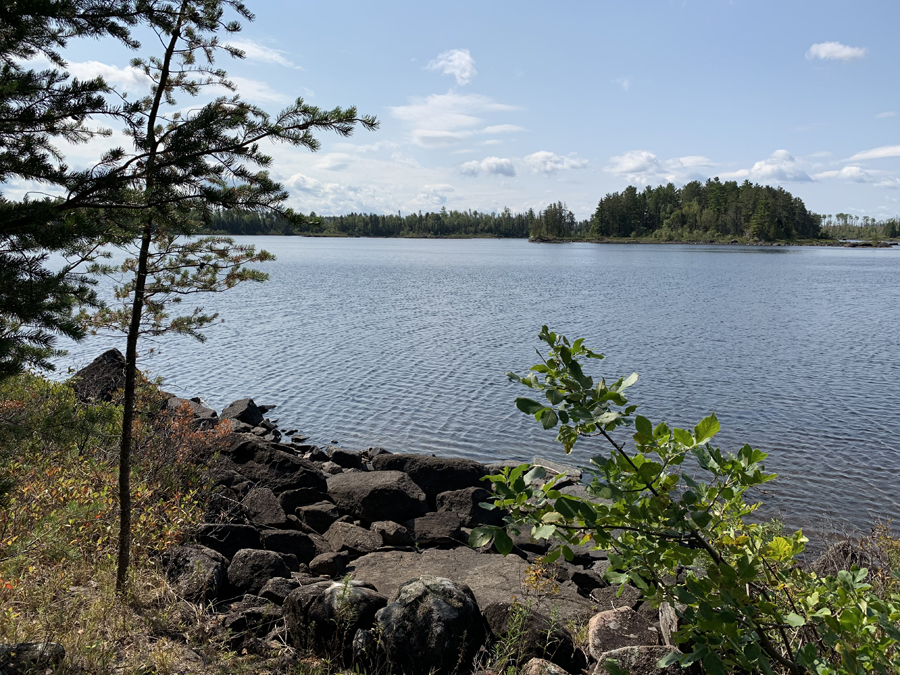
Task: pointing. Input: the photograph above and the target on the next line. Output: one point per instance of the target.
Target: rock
(668, 622)
(202, 415)
(392, 534)
(305, 546)
(347, 458)
(588, 580)
(318, 516)
(465, 504)
(291, 500)
(291, 560)
(325, 617)
(431, 626)
(377, 495)
(269, 466)
(436, 529)
(197, 573)
(250, 569)
(639, 660)
(332, 469)
(353, 539)
(492, 578)
(622, 627)
(251, 619)
(26, 657)
(224, 506)
(277, 589)
(535, 635)
(314, 453)
(244, 410)
(542, 667)
(263, 508)
(433, 474)
(228, 538)
(100, 379)
(332, 564)
(608, 598)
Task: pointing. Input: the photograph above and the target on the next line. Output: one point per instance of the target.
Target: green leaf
(613, 668)
(683, 437)
(548, 418)
(527, 406)
(502, 542)
(535, 474)
(794, 620)
(555, 396)
(643, 426)
(701, 518)
(668, 660)
(628, 381)
(481, 536)
(543, 532)
(706, 429)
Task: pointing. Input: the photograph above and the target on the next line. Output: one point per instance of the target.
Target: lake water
(404, 344)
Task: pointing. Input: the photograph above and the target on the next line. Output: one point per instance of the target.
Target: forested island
(714, 211)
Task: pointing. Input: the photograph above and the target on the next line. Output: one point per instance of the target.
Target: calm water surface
(404, 344)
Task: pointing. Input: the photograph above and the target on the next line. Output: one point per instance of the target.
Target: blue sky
(485, 105)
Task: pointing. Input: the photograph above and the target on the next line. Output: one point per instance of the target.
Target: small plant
(745, 602)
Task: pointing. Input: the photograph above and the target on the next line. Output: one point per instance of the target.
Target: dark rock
(196, 573)
(616, 628)
(252, 620)
(332, 469)
(244, 410)
(292, 499)
(227, 538)
(537, 635)
(224, 506)
(377, 495)
(436, 529)
(465, 504)
(355, 540)
(588, 580)
(492, 578)
(314, 453)
(269, 466)
(432, 626)
(27, 657)
(608, 597)
(433, 474)
(347, 458)
(291, 560)
(332, 564)
(203, 415)
(303, 545)
(392, 534)
(639, 660)
(277, 589)
(250, 569)
(101, 378)
(263, 508)
(374, 452)
(318, 516)
(324, 618)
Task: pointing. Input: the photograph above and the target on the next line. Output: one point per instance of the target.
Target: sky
(492, 104)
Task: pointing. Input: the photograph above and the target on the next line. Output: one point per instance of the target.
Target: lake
(404, 344)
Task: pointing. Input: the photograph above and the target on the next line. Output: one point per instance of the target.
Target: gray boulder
(325, 617)
(543, 667)
(319, 516)
(432, 626)
(101, 378)
(609, 597)
(252, 617)
(228, 538)
(433, 474)
(196, 573)
(291, 500)
(639, 660)
(250, 569)
(355, 540)
(347, 459)
(392, 534)
(465, 504)
(263, 508)
(436, 529)
(244, 410)
(616, 628)
(332, 564)
(377, 495)
(267, 465)
(305, 546)
(277, 589)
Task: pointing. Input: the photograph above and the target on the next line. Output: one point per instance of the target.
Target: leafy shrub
(744, 602)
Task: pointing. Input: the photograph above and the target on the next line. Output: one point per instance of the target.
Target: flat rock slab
(492, 577)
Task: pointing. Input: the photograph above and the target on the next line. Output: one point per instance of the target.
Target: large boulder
(268, 466)
(436, 529)
(263, 508)
(203, 416)
(347, 459)
(492, 578)
(324, 617)
(616, 628)
(353, 539)
(228, 538)
(432, 626)
(535, 635)
(196, 573)
(291, 500)
(392, 534)
(319, 516)
(377, 495)
(244, 410)
(639, 660)
(305, 546)
(101, 378)
(250, 569)
(278, 588)
(252, 617)
(465, 504)
(433, 474)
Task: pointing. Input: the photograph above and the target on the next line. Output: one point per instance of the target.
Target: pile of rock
(363, 556)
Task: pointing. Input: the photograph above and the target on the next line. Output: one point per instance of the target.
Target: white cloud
(835, 51)
(432, 195)
(877, 153)
(624, 82)
(780, 167)
(695, 160)
(456, 62)
(490, 165)
(502, 129)
(445, 119)
(893, 183)
(492, 141)
(128, 78)
(253, 51)
(547, 162)
(883, 115)
(851, 172)
(639, 166)
(334, 161)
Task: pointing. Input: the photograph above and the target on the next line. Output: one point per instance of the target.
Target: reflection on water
(404, 344)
